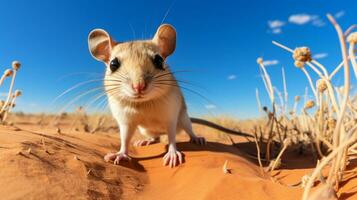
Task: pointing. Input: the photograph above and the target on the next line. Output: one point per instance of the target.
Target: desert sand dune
(43, 164)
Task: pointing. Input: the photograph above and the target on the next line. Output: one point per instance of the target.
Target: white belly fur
(153, 119)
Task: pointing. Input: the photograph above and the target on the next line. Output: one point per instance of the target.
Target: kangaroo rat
(142, 92)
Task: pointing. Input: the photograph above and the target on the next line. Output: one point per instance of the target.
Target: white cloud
(275, 24)
(301, 19)
(270, 62)
(339, 14)
(231, 77)
(210, 106)
(320, 55)
(276, 31)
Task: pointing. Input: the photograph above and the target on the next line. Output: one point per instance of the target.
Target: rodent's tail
(218, 127)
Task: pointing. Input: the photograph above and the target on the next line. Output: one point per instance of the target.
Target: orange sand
(70, 166)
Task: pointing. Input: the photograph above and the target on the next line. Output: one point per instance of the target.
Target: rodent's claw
(147, 142)
(173, 158)
(116, 157)
(121, 156)
(110, 156)
(198, 140)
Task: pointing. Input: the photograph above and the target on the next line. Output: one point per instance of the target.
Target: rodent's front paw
(173, 158)
(198, 140)
(116, 157)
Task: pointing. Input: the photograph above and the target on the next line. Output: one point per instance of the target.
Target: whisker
(179, 81)
(81, 95)
(187, 89)
(171, 73)
(120, 75)
(167, 12)
(78, 73)
(99, 96)
(78, 85)
(86, 106)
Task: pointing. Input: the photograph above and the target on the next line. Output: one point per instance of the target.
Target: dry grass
(326, 123)
(7, 105)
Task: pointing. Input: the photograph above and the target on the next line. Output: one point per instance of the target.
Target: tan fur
(160, 108)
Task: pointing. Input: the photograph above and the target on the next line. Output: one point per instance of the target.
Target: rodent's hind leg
(147, 142)
(149, 138)
(187, 127)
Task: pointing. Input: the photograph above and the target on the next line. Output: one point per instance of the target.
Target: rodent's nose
(139, 87)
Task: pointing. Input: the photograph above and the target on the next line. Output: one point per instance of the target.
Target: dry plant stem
(3, 77)
(270, 136)
(324, 162)
(332, 97)
(285, 90)
(350, 29)
(266, 78)
(344, 155)
(315, 70)
(9, 108)
(337, 69)
(278, 129)
(337, 132)
(320, 66)
(311, 83)
(334, 72)
(320, 125)
(295, 107)
(266, 86)
(280, 98)
(339, 94)
(258, 155)
(279, 156)
(10, 92)
(258, 100)
(353, 57)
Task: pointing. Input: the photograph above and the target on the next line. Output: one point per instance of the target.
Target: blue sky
(217, 41)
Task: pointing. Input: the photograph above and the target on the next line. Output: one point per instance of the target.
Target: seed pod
(352, 38)
(299, 64)
(8, 72)
(321, 85)
(297, 98)
(17, 93)
(260, 60)
(302, 54)
(16, 65)
(309, 104)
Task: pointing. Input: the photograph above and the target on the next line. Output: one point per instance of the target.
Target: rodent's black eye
(114, 64)
(158, 62)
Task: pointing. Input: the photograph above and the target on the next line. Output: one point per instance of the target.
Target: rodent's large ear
(165, 38)
(100, 44)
